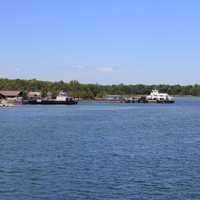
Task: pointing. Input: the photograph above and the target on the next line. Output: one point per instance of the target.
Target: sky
(101, 41)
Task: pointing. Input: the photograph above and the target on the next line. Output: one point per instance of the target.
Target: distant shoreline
(92, 91)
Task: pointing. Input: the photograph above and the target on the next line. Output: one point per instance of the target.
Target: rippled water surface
(101, 152)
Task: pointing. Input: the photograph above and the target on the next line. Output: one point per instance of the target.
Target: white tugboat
(160, 97)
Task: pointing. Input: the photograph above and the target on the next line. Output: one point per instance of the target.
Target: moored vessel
(156, 97)
(61, 99)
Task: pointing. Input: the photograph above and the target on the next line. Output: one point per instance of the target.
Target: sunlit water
(101, 152)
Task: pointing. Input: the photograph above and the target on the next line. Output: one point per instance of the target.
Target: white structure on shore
(155, 95)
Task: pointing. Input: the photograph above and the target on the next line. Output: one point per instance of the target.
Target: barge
(153, 97)
(61, 99)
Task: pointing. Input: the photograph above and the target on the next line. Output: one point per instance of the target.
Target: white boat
(163, 97)
(62, 96)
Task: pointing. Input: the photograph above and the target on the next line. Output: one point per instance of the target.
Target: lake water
(101, 152)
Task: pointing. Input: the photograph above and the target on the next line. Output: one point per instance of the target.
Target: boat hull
(50, 102)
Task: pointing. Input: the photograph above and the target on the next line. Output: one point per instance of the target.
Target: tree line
(91, 91)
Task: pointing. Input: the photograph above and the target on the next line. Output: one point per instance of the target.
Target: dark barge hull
(156, 101)
(50, 102)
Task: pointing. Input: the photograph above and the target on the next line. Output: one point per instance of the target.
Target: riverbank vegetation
(90, 91)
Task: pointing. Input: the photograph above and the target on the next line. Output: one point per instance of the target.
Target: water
(101, 152)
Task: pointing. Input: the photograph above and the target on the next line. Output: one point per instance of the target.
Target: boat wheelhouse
(62, 96)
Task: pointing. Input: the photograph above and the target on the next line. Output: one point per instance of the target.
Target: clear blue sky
(104, 41)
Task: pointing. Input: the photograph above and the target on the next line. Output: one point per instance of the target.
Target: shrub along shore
(91, 91)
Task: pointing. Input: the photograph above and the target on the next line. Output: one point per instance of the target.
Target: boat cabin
(62, 96)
